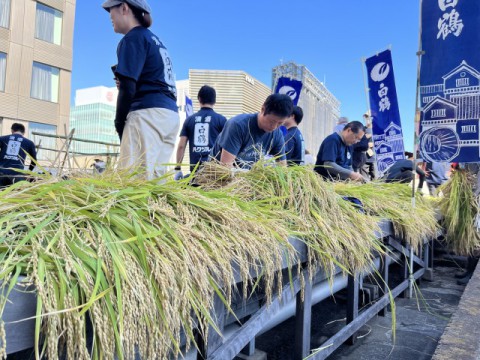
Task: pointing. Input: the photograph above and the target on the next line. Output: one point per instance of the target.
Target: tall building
(237, 91)
(36, 51)
(320, 107)
(93, 117)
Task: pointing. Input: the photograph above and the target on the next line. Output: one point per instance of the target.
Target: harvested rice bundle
(392, 201)
(336, 233)
(143, 260)
(459, 207)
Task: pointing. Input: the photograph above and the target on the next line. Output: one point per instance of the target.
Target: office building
(36, 51)
(320, 107)
(237, 91)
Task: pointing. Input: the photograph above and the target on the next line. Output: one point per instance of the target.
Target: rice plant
(414, 222)
(460, 210)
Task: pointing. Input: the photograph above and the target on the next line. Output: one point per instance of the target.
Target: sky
(329, 37)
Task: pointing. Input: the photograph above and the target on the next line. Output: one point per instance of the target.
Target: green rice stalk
(392, 201)
(460, 208)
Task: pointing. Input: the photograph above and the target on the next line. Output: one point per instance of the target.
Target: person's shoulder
(28, 141)
(140, 34)
(219, 116)
(241, 119)
(333, 137)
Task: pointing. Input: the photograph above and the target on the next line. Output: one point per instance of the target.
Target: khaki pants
(148, 141)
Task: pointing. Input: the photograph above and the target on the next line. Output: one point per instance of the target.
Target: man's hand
(356, 176)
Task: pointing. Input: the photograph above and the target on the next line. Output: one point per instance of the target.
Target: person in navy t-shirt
(13, 152)
(147, 115)
(294, 143)
(334, 158)
(248, 137)
(200, 130)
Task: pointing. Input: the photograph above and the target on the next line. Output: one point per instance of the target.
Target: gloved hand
(178, 175)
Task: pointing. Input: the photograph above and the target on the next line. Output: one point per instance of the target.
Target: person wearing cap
(147, 118)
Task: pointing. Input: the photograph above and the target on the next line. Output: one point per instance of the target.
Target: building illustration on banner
(389, 147)
(451, 115)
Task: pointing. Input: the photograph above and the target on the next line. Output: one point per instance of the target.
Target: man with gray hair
(334, 158)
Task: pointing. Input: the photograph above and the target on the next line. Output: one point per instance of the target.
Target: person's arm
(336, 170)
(33, 157)
(126, 92)
(278, 148)
(182, 145)
(227, 158)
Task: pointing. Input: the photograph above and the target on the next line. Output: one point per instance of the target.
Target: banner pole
(365, 86)
(419, 54)
(369, 119)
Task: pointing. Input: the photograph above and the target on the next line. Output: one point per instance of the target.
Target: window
(44, 82)
(45, 142)
(5, 13)
(3, 68)
(48, 24)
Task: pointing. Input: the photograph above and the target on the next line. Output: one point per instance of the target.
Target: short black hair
(278, 104)
(408, 154)
(207, 95)
(297, 114)
(355, 126)
(16, 127)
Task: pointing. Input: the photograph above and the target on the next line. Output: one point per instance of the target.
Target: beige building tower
(36, 51)
(237, 91)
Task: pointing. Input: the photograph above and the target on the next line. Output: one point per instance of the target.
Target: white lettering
(249, 80)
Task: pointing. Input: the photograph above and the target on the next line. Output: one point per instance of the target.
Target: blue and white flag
(188, 106)
(289, 87)
(387, 128)
(450, 81)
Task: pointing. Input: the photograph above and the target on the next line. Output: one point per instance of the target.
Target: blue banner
(289, 87)
(387, 128)
(450, 81)
(188, 106)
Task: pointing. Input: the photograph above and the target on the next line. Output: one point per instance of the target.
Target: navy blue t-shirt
(333, 149)
(202, 129)
(295, 146)
(13, 151)
(143, 58)
(242, 137)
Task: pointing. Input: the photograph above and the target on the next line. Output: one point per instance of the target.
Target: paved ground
(420, 324)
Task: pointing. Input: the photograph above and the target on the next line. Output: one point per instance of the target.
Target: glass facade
(94, 122)
(45, 143)
(3, 69)
(5, 13)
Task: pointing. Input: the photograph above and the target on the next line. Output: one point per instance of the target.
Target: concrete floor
(420, 323)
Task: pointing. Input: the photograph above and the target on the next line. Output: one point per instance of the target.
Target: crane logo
(288, 90)
(380, 72)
